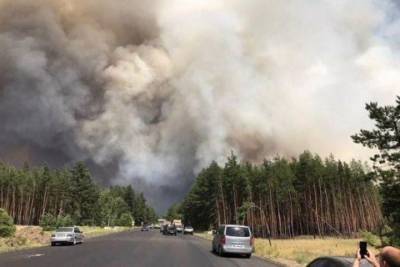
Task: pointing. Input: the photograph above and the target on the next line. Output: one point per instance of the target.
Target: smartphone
(363, 249)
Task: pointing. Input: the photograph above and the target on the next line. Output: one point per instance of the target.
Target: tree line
(285, 197)
(307, 195)
(41, 195)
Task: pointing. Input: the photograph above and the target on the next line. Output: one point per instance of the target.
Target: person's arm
(357, 260)
(372, 259)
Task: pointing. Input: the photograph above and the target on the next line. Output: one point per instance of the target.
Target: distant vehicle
(335, 261)
(178, 224)
(188, 230)
(171, 229)
(232, 238)
(145, 228)
(161, 222)
(67, 235)
(157, 226)
(164, 224)
(164, 229)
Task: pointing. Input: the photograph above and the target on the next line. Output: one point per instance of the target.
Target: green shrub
(63, 221)
(371, 239)
(7, 227)
(124, 220)
(48, 222)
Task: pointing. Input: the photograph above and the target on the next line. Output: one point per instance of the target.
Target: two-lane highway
(133, 248)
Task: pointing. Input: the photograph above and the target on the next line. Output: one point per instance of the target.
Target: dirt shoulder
(34, 236)
(299, 251)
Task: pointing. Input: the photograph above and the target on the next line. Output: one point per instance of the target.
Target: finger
(370, 252)
(369, 258)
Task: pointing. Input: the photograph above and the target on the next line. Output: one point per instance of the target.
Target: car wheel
(53, 244)
(248, 256)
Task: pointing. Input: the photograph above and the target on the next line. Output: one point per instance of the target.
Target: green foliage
(287, 197)
(48, 222)
(41, 194)
(64, 221)
(85, 195)
(385, 139)
(174, 213)
(198, 208)
(7, 227)
(124, 220)
(371, 239)
(112, 207)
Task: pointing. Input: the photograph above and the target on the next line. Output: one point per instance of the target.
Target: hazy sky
(151, 93)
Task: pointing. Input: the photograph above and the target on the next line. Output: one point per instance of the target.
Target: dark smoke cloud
(149, 92)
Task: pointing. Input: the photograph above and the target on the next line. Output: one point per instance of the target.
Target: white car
(179, 228)
(188, 230)
(233, 238)
(67, 235)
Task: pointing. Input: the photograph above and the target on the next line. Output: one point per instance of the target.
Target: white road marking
(35, 255)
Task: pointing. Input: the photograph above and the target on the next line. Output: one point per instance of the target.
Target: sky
(150, 93)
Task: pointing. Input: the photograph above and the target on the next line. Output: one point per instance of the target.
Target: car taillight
(252, 241)
(222, 240)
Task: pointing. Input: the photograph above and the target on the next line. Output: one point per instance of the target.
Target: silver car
(67, 235)
(233, 238)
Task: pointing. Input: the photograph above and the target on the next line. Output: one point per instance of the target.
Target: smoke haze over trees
(150, 92)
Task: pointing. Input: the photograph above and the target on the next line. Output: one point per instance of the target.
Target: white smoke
(161, 89)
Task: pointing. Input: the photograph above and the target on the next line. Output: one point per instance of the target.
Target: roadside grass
(92, 231)
(33, 236)
(301, 250)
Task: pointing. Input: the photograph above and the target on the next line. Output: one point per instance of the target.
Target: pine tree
(385, 137)
(85, 194)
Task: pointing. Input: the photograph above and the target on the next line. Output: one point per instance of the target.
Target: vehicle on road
(178, 224)
(145, 228)
(335, 261)
(164, 229)
(170, 230)
(163, 225)
(234, 239)
(67, 235)
(188, 230)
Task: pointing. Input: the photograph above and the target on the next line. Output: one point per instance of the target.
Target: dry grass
(33, 236)
(299, 251)
(25, 237)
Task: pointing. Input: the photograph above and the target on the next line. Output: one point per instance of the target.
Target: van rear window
(238, 231)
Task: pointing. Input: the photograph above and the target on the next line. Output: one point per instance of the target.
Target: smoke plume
(149, 92)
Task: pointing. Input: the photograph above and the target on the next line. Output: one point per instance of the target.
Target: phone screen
(363, 249)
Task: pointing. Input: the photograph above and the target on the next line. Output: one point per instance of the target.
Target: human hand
(357, 259)
(370, 257)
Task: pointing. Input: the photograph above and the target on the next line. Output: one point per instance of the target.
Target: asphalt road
(133, 248)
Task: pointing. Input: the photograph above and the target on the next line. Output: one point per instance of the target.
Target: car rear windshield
(238, 231)
(64, 229)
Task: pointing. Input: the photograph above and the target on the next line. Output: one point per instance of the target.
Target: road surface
(131, 249)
